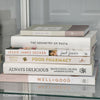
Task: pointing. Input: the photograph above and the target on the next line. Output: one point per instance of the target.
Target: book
(83, 43)
(49, 59)
(44, 52)
(47, 69)
(56, 30)
(83, 80)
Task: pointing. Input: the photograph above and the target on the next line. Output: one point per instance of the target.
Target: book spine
(93, 40)
(13, 78)
(52, 33)
(52, 42)
(47, 69)
(63, 80)
(74, 33)
(83, 43)
(43, 33)
(48, 52)
(27, 52)
(49, 59)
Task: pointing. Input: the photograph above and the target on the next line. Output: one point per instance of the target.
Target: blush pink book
(13, 78)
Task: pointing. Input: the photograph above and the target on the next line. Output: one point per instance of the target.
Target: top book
(56, 30)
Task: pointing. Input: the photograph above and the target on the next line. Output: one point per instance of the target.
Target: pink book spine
(74, 33)
(13, 78)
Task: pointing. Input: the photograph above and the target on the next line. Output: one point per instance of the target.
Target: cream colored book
(56, 30)
(47, 69)
(45, 52)
(49, 59)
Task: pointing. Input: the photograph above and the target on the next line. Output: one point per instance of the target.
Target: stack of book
(52, 54)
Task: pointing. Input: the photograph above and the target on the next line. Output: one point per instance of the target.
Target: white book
(49, 59)
(45, 52)
(83, 43)
(47, 69)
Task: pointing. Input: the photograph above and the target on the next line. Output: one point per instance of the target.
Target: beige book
(56, 30)
(48, 69)
(49, 59)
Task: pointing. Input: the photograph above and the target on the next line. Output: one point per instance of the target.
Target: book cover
(85, 43)
(47, 69)
(56, 30)
(49, 59)
(83, 80)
